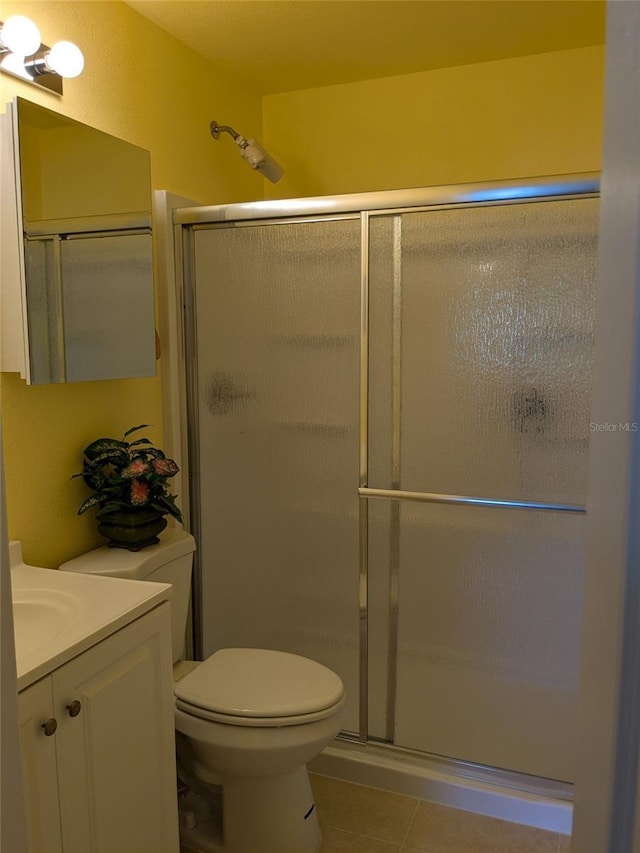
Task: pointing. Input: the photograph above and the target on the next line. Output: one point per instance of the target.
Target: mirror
(84, 201)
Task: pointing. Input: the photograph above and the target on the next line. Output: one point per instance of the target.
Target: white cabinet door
(116, 757)
(39, 768)
(103, 780)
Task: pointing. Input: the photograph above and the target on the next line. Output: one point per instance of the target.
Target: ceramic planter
(133, 529)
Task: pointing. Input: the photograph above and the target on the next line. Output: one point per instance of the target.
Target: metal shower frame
(361, 206)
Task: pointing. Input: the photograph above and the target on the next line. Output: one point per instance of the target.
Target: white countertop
(58, 615)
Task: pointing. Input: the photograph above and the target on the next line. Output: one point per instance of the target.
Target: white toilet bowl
(253, 719)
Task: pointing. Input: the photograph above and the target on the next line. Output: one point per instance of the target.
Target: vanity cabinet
(98, 747)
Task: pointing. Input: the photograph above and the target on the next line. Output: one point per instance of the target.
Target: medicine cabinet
(77, 276)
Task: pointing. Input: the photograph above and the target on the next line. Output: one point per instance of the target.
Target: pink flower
(134, 469)
(165, 467)
(139, 493)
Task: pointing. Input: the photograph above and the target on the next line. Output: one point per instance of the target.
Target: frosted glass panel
(489, 633)
(480, 343)
(44, 312)
(277, 313)
(495, 310)
(108, 307)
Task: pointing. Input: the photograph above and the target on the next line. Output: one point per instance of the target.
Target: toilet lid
(260, 683)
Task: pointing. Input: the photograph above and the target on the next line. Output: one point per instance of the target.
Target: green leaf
(151, 451)
(116, 456)
(165, 503)
(135, 429)
(112, 506)
(102, 445)
(87, 503)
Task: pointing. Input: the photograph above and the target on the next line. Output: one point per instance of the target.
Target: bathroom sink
(41, 616)
(58, 615)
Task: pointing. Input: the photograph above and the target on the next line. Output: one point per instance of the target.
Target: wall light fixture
(24, 56)
(253, 152)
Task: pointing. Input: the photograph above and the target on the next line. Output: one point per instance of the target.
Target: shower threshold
(528, 800)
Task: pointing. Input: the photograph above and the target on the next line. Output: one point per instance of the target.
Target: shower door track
(366, 205)
(524, 783)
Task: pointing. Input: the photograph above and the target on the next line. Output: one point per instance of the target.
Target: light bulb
(20, 35)
(14, 64)
(65, 58)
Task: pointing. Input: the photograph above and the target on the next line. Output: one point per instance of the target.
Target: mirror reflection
(85, 200)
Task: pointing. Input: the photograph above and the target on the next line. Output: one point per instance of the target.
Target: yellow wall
(142, 85)
(534, 115)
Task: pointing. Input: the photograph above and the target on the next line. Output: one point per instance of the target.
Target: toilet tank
(168, 562)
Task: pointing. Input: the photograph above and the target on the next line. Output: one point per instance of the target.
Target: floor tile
(439, 829)
(337, 841)
(362, 811)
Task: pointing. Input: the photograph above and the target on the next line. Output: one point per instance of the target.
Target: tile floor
(356, 819)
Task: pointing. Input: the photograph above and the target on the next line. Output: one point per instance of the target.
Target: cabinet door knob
(50, 726)
(74, 708)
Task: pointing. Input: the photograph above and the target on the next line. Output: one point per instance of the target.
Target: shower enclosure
(388, 431)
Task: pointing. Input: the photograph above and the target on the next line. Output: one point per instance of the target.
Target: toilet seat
(261, 688)
(257, 722)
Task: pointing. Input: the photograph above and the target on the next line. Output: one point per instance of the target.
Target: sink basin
(59, 615)
(40, 616)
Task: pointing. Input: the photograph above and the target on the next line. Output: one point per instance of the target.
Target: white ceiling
(283, 45)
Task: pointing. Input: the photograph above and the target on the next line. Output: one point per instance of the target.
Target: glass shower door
(480, 346)
(277, 323)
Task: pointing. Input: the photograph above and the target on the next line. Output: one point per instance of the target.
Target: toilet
(248, 719)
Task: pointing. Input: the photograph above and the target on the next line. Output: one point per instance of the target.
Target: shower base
(500, 794)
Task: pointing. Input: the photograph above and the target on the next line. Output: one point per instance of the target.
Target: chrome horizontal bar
(288, 220)
(433, 498)
(476, 193)
(81, 224)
